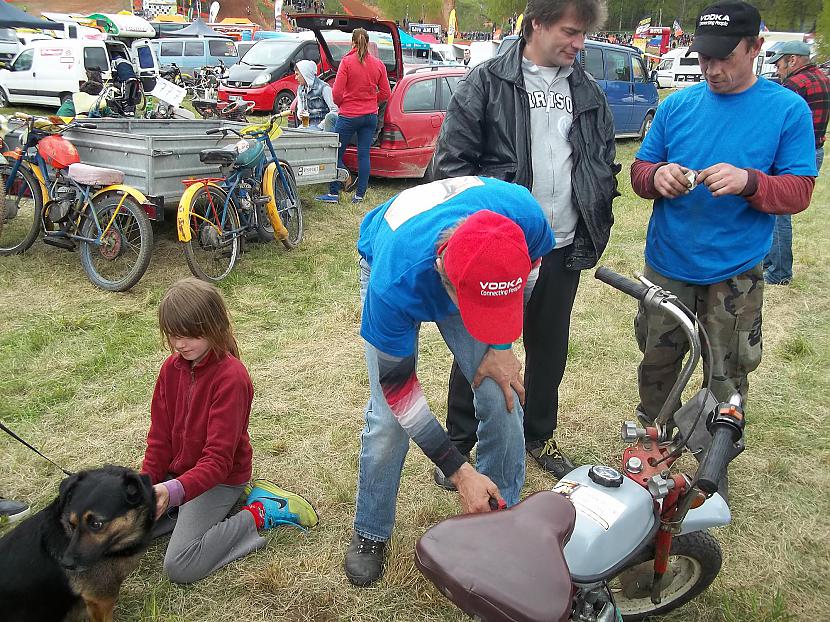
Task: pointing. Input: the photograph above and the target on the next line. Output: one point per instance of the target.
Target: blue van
(621, 72)
(192, 53)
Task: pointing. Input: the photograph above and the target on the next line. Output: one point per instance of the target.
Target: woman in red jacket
(198, 451)
(361, 85)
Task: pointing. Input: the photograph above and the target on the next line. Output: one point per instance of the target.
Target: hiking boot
(279, 507)
(443, 481)
(364, 560)
(547, 455)
(12, 511)
(328, 198)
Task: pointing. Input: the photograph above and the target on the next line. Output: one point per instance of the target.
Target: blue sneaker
(281, 507)
(357, 199)
(328, 198)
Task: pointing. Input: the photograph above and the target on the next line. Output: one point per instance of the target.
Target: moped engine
(64, 197)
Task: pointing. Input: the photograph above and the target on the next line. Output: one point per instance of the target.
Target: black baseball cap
(721, 26)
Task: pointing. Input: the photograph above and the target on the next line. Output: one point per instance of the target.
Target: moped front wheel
(694, 562)
(215, 235)
(20, 207)
(124, 238)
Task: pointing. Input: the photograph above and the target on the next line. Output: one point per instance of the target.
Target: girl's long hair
(360, 40)
(193, 308)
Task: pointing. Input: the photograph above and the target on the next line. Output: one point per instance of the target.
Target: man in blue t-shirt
(463, 253)
(721, 159)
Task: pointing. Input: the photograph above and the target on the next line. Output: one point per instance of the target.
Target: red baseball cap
(487, 261)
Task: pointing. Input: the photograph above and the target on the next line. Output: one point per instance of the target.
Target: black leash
(17, 438)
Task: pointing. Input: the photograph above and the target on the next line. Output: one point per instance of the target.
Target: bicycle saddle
(222, 156)
(507, 565)
(95, 175)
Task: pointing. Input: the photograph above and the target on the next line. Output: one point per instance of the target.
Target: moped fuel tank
(614, 517)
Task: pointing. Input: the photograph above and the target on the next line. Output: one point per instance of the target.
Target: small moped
(605, 544)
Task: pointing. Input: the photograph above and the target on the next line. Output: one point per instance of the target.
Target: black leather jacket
(487, 132)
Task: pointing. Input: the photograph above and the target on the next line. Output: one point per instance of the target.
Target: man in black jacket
(532, 116)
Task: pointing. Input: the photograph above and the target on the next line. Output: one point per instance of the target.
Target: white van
(48, 72)
(676, 70)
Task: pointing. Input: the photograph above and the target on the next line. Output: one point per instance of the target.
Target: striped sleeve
(403, 394)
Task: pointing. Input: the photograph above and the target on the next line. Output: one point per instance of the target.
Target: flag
(764, 27)
(452, 27)
(643, 26)
(278, 15)
(518, 27)
(678, 31)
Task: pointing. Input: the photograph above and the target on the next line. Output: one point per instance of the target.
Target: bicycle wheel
(289, 205)
(126, 243)
(20, 209)
(214, 244)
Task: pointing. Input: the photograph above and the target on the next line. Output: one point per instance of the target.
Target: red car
(420, 95)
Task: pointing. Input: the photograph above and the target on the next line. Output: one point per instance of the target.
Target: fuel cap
(605, 476)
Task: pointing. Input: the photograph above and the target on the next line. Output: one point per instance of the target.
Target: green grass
(79, 367)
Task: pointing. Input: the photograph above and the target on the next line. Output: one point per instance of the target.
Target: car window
(420, 96)
(194, 48)
(639, 69)
(95, 59)
(453, 82)
(145, 57)
(171, 48)
(617, 66)
(593, 62)
(691, 61)
(24, 61)
(665, 64)
(218, 47)
(270, 53)
(445, 93)
(312, 52)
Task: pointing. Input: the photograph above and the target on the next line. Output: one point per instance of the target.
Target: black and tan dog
(77, 550)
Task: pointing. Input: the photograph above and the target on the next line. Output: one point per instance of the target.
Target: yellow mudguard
(183, 211)
(136, 194)
(280, 232)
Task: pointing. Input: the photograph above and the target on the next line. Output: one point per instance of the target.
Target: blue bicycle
(256, 198)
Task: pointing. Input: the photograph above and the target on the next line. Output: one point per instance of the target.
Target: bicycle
(47, 190)
(256, 196)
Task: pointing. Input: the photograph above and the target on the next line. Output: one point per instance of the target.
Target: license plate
(306, 171)
(235, 98)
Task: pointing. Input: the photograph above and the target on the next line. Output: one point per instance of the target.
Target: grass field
(79, 366)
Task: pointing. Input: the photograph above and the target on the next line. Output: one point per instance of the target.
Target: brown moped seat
(504, 566)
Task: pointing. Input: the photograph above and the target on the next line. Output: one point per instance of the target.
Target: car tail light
(392, 137)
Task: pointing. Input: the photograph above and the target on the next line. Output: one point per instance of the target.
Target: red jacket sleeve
(227, 422)
(384, 91)
(779, 194)
(340, 82)
(159, 452)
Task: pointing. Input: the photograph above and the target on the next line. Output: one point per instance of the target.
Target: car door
(144, 59)
(20, 80)
(645, 92)
(618, 88)
(421, 114)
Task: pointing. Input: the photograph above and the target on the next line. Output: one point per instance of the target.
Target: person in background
(797, 73)
(467, 56)
(198, 452)
(721, 159)
(82, 102)
(532, 116)
(361, 85)
(314, 98)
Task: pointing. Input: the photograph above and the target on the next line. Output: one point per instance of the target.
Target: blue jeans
(365, 127)
(384, 443)
(778, 264)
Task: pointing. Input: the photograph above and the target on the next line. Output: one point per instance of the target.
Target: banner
(278, 15)
(643, 26)
(452, 27)
(678, 31)
(518, 27)
(214, 13)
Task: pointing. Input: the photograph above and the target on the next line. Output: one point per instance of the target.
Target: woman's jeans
(384, 443)
(365, 127)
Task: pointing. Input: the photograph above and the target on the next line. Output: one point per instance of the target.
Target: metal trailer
(156, 155)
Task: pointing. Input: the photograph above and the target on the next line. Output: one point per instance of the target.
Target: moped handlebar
(622, 283)
(727, 427)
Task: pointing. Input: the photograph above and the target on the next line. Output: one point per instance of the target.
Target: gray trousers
(203, 538)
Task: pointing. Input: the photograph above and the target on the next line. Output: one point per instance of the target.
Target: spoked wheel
(125, 239)
(214, 244)
(694, 562)
(20, 208)
(264, 228)
(289, 206)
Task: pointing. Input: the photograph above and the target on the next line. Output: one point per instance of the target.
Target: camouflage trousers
(730, 311)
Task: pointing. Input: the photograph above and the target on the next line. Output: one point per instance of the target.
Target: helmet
(57, 151)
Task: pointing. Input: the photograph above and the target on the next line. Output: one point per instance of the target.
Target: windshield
(270, 53)
(339, 43)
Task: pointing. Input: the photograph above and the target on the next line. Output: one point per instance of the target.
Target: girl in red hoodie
(198, 450)
(361, 85)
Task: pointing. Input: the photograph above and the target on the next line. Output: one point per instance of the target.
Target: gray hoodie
(551, 116)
